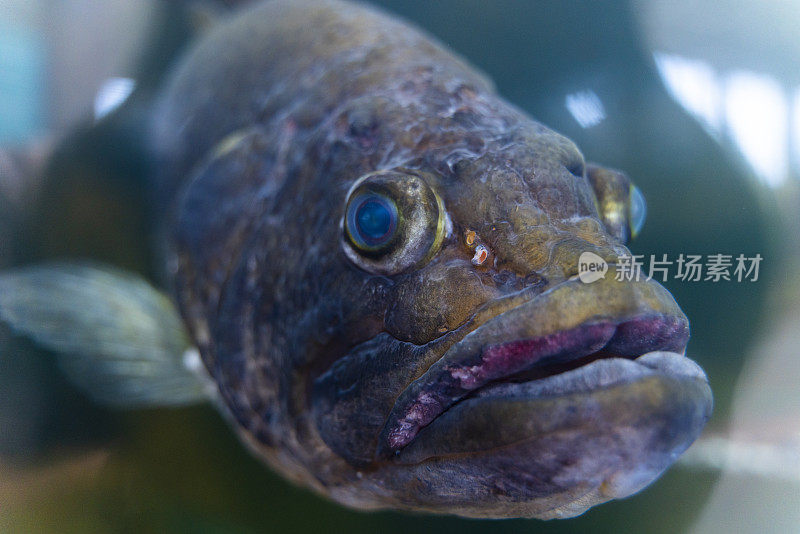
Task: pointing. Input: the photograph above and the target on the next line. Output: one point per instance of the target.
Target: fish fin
(118, 339)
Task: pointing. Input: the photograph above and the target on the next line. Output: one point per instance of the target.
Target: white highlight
(769, 460)
(795, 147)
(694, 85)
(111, 95)
(586, 108)
(757, 113)
(752, 109)
(192, 361)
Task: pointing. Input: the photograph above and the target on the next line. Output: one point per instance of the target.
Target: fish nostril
(576, 167)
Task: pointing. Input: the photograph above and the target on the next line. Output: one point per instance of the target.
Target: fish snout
(584, 388)
(586, 253)
(571, 324)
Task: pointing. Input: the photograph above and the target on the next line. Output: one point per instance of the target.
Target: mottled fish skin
(260, 134)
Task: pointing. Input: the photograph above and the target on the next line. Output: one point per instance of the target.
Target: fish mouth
(542, 350)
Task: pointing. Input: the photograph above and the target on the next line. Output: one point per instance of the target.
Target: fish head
(501, 381)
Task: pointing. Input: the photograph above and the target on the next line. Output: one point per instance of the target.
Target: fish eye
(393, 222)
(371, 221)
(638, 211)
(620, 204)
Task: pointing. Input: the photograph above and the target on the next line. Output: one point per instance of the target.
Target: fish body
(377, 258)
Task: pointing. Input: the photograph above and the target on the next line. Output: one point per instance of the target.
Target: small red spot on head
(481, 253)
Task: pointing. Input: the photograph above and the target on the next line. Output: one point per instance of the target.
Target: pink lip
(442, 386)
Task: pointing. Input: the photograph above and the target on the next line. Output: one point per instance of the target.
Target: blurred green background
(697, 102)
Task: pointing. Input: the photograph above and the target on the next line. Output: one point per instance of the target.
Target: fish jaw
(554, 447)
(554, 406)
(548, 334)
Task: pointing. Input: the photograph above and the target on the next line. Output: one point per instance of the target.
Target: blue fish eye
(371, 220)
(638, 211)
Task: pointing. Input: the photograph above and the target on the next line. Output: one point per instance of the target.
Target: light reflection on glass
(586, 108)
(757, 119)
(694, 84)
(750, 108)
(795, 131)
(111, 95)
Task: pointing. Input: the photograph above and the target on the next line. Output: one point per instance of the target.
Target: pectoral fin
(117, 338)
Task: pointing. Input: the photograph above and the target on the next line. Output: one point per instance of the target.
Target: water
(635, 85)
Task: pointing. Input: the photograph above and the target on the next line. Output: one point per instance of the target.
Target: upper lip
(472, 363)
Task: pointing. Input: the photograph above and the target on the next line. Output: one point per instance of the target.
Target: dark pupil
(374, 220)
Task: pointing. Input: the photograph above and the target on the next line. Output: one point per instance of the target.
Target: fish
(372, 267)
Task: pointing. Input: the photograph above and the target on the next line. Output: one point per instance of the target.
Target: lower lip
(454, 378)
(577, 397)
